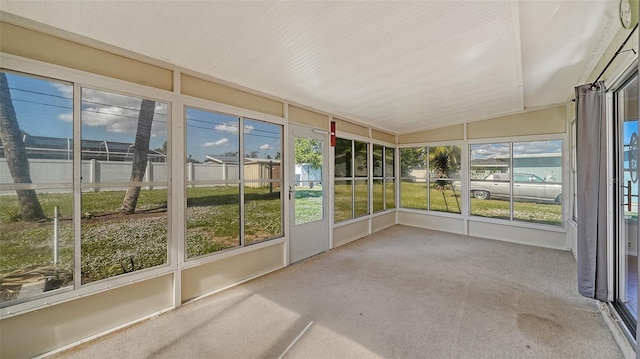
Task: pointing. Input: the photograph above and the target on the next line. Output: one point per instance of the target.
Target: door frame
(293, 129)
(619, 243)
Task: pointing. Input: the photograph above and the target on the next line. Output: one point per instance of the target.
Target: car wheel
(481, 194)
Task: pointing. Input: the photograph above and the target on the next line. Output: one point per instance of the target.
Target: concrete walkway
(400, 293)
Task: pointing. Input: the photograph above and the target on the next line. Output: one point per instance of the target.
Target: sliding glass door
(626, 107)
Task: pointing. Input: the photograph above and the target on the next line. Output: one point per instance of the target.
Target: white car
(527, 187)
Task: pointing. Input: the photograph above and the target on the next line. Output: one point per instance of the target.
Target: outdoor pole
(270, 176)
(55, 235)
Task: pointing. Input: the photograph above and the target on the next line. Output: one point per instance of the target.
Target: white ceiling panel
(399, 66)
(561, 41)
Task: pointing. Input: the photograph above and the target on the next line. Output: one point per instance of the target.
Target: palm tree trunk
(445, 201)
(140, 155)
(455, 195)
(16, 155)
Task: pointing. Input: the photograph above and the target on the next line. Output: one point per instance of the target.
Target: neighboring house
(544, 165)
(223, 159)
(254, 168)
(307, 176)
(419, 175)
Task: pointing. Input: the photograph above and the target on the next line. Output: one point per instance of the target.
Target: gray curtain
(592, 191)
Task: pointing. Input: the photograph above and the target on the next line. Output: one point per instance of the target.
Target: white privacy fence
(56, 172)
(212, 172)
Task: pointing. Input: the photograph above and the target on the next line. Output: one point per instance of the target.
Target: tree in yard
(412, 158)
(162, 149)
(309, 151)
(252, 154)
(16, 155)
(140, 155)
(443, 163)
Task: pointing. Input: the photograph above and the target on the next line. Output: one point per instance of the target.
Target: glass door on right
(626, 100)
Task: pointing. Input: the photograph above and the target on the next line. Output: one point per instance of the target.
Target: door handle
(629, 196)
(291, 190)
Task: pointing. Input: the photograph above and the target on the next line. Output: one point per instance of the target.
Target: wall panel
(383, 136)
(46, 48)
(43, 330)
(522, 235)
(383, 221)
(450, 133)
(424, 220)
(193, 86)
(350, 232)
(346, 126)
(542, 122)
(311, 118)
(209, 277)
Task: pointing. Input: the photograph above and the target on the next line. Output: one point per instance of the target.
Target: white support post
(148, 174)
(94, 173)
(191, 171)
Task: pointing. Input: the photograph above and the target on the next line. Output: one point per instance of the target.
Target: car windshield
(527, 178)
(497, 177)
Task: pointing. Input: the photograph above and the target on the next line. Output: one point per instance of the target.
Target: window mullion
(428, 175)
(511, 179)
(353, 179)
(241, 174)
(77, 185)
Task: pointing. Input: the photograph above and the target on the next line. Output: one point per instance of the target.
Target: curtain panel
(591, 190)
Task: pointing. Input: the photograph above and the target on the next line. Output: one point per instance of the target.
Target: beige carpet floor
(400, 293)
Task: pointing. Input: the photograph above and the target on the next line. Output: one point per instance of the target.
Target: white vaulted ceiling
(399, 66)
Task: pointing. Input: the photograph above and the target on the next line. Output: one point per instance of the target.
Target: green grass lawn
(344, 193)
(545, 213)
(343, 201)
(113, 244)
(414, 195)
(308, 205)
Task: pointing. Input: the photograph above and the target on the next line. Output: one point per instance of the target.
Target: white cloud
(232, 127)
(489, 150)
(66, 117)
(66, 90)
(265, 147)
(117, 113)
(219, 142)
(227, 127)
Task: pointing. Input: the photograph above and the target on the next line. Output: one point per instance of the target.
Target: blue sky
(211, 133)
(40, 104)
(629, 128)
(44, 108)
